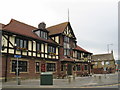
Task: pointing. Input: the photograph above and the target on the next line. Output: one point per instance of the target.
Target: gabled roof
(99, 57)
(1, 26)
(20, 28)
(57, 29)
(81, 49)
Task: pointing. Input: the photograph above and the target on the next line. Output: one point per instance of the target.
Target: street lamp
(89, 62)
(74, 71)
(108, 46)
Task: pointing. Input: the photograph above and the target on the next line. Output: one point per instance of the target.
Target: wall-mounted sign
(42, 67)
(17, 56)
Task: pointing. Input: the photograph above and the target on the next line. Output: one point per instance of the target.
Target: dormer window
(42, 32)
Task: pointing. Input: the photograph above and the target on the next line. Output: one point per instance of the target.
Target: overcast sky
(94, 22)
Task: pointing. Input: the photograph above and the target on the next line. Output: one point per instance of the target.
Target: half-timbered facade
(83, 61)
(73, 59)
(53, 49)
(39, 53)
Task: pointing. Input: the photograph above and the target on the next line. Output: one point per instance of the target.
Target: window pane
(38, 33)
(51, 49)
(25, 44)
(86, 67)
(41, 33)
(37, 67)
(38, 46)
(17, 42)
(46, 35)
(65, 53)
(21, 43)
(65, 45)
(78, 67)
(51, 67)
(21, 64)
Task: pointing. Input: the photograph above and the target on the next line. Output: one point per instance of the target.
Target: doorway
(69, 69)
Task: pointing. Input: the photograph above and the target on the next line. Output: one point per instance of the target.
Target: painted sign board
(17, 56)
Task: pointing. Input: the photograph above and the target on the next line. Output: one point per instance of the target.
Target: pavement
(96, 80)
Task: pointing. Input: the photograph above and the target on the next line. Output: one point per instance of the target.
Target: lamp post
(108, 46)
(74, 71)
(89, 62)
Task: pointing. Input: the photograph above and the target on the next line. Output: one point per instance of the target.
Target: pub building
(73, 60)
(53, 49)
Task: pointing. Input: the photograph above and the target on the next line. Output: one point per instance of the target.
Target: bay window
(66, 46)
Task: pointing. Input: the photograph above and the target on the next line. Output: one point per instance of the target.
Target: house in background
(117, 65)
(103, 63)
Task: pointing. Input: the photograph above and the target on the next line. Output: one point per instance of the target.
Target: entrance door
(69, 70)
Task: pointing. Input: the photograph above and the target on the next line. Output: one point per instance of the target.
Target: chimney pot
(42, 25)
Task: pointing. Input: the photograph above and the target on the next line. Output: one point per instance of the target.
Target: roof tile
(57, 29)
(80, 49)
(108, 56)
(23, 29)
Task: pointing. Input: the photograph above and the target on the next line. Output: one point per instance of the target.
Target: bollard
(19, 81)
(105, 76)
(99, 78)
(73, 78)
(69, 79)
(95, 76)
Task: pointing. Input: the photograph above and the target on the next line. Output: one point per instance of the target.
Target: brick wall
(31, 68)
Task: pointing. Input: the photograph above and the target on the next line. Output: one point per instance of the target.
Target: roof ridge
(82, 48)
(57, 24)
(12, 20)
(2, 25)
(103, 54)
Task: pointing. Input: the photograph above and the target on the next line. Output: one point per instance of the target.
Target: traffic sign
(17, 56)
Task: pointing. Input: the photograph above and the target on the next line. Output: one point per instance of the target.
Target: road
(96, 81)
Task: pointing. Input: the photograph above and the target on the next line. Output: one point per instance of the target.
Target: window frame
(85, 67)
(20, 66)
(78, 67)
(37, 67)
(66, 45)
(21, 45)
(51, 66)
(38, 44)
(51, 49)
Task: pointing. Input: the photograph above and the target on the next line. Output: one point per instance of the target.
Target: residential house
(103, 63)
